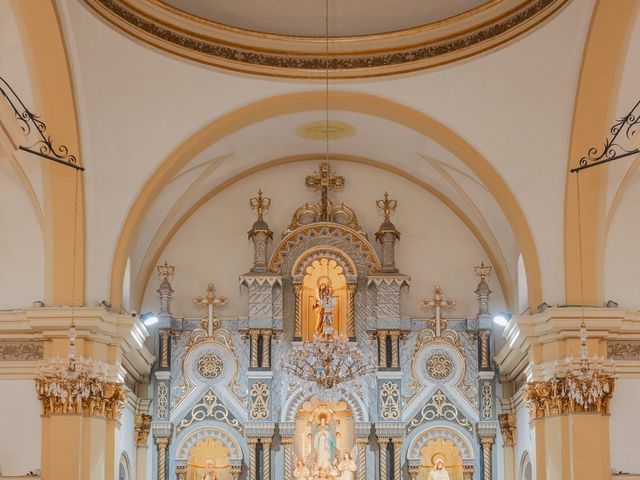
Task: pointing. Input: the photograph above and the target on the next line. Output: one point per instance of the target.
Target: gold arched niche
(208, 449)
(323, 270)
(440, 448)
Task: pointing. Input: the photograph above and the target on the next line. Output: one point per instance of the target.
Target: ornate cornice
(210, 43)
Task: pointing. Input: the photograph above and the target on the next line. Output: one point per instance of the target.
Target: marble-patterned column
(266, 458)
(397, 460)
(253, 473)
(361, 442)
(487, 443)
(162, 443)
(395, 335)
(382, 351)
(253, 334)
(384, 460)
(266, 349)
(287, 443)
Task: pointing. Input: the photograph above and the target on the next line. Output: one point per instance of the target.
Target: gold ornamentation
(487, 442)
(20, 351)
(386, 206)
(209, 407)
(164, 348)
(259, 395)
(390, 401)
(439, 366)
(142, 424)
(318, 130)
(482, 271)
(209, 366)
(508, 428)
(551, 397)
(80, 396)
(487, 401)
(484, 348)
(260, 204)
(324, 180)
(440, 407)
(623, 350)
(163, 401)
(310, 213)
(438, 303)
(166, 271)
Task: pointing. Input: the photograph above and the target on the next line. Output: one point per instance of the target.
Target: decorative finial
(482, 271)
(166, 271)
(324, 179)
(260, 204)
(387, 206)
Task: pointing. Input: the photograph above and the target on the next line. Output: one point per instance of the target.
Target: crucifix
(438, 303)
(210, 300)
(324, 180)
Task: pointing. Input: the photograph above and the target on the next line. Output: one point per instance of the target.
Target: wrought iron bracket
(33, 125)
(613, 148)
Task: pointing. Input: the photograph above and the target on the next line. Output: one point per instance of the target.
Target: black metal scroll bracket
(30, 122)
(612, 149)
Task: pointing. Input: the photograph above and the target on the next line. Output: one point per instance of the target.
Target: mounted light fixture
(612, 304)
(542, 307)
(502, 319)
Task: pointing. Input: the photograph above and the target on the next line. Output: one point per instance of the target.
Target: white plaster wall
(21, 246)
(523, 437)
(622, 260)
(212, 246)
(624, 425)
(20, 428)
(125, 441)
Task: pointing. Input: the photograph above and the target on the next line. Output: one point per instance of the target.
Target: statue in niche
(347, 467)
(325, 303)
(301, 472)
(209, 470)
(324, 444)
(438, 472)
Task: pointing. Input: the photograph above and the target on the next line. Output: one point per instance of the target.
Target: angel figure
(438, 472)
(347, 467)
(301, 472)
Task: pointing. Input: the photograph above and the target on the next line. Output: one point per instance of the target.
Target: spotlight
(502, 318)
(612, 304)
(542, 307)
(149, 318)
(38, 304)
(105, 304)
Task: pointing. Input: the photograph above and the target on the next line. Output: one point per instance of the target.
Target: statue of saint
(325, 302)
(324, 445)
(438, 472)
(209, 472)
(347, 467)
(301, 472)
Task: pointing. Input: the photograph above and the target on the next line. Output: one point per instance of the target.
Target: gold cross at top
(438, 302)
(210, 300)
(324, 180)
(260, 204)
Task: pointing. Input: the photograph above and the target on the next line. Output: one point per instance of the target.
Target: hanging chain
(75, 245)
(326, 63)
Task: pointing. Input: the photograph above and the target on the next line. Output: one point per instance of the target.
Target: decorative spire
(260, 233)
(387, 234)
(165, 291)
(483, 291)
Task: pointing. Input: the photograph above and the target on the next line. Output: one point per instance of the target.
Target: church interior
(319, 240)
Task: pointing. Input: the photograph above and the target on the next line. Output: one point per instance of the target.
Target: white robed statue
(324, 445)
(438, 472)
(347, 467)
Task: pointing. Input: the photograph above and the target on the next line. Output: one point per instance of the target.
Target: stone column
(253, 334)
(485, 360)
(164, 348)
(260, 233)
(397, 460)
(253, 474)
(487, 442)
(181, 472)
(362, 442)
(298, 317)
(266, 459)
(351, 309)
(142, 424)
(384, 461)
(382, 352)
(287, 443)
(395, 335)
(266, 349)
(507, 423)
(467, 472)
(161, 444)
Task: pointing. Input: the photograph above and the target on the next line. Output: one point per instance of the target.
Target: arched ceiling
(307, 17)
(367, 39)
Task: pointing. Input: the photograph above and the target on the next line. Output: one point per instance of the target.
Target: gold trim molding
(210, 43)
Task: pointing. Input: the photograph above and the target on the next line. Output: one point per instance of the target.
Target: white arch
(213, 432)
(458, 438)
(295, 401)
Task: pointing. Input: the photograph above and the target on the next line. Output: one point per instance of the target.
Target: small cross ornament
(438, 303)
(210, 300)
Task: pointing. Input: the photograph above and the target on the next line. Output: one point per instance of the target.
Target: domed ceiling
(287, 39)
(307, 17)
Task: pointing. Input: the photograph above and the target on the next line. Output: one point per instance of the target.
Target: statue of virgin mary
(324, 444)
